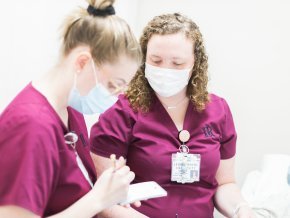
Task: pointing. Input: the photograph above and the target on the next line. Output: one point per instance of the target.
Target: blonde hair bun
(107, 35)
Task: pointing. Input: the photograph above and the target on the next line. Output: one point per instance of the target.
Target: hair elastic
(101, 12)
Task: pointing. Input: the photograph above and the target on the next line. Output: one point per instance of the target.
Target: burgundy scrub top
(148, 140)
(39, 171)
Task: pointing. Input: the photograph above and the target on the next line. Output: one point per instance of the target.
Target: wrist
(95, 204)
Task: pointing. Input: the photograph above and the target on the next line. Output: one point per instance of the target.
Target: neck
(174, 101)
(55, 85)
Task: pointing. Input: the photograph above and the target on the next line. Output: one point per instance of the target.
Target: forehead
(124, 68)
(171, 45)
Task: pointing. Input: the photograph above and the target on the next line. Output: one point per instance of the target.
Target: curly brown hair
(140, 92)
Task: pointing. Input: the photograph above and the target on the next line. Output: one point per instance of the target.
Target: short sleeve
(28, 163)
(229, 136)
(112, 133)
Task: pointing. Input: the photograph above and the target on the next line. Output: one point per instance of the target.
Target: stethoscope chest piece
(71, 138)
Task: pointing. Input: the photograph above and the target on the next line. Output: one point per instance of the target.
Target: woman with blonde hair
(171, 130)
(46, 169)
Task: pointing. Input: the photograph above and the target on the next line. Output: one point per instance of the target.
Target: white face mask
(166, 82)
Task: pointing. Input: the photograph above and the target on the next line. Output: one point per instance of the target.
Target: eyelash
(158, 62)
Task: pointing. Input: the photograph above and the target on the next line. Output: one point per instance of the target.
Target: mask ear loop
(74, 86)
(95, 71)
(75, 81)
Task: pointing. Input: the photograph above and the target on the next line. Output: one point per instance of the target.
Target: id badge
(185, 167)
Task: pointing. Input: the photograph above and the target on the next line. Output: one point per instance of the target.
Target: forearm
(86, 207)
(120, 212)
(227, 197)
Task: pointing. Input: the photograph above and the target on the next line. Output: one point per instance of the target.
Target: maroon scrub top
(148, 140)
(39, 171)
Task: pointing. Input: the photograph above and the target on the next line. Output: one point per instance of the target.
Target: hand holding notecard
(143, 191)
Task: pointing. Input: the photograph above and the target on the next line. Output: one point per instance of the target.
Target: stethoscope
(71, 139)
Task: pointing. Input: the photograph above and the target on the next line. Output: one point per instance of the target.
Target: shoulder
(28, 108)
(123, 102)
(216, 103)
(29, 114)
(119, 115)
(217, 108)
(213, 98)
(30, 125)
(122, 106)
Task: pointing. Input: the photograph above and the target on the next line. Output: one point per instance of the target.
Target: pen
(113, 158)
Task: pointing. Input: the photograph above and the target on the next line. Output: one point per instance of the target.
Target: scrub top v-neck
(148, 140)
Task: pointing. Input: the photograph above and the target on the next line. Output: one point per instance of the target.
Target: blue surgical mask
(98, 100)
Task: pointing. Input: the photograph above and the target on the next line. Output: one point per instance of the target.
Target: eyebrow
(121, 80)
(154, 56)
(178, 58)
(173, 58)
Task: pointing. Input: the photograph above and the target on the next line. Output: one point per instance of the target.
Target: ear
(82, 60)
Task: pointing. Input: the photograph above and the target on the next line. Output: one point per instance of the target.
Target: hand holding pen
(113, 159)
(113, 184)
(117, 164)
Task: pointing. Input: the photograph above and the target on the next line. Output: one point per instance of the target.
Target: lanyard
(183, 137)
(71, 138)
(185, 167)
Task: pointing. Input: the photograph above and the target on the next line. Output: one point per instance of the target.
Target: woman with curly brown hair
(171, 130)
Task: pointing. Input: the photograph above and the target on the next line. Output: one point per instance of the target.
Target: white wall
(29, 41)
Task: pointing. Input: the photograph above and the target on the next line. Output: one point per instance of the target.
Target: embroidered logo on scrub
(207, 131)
